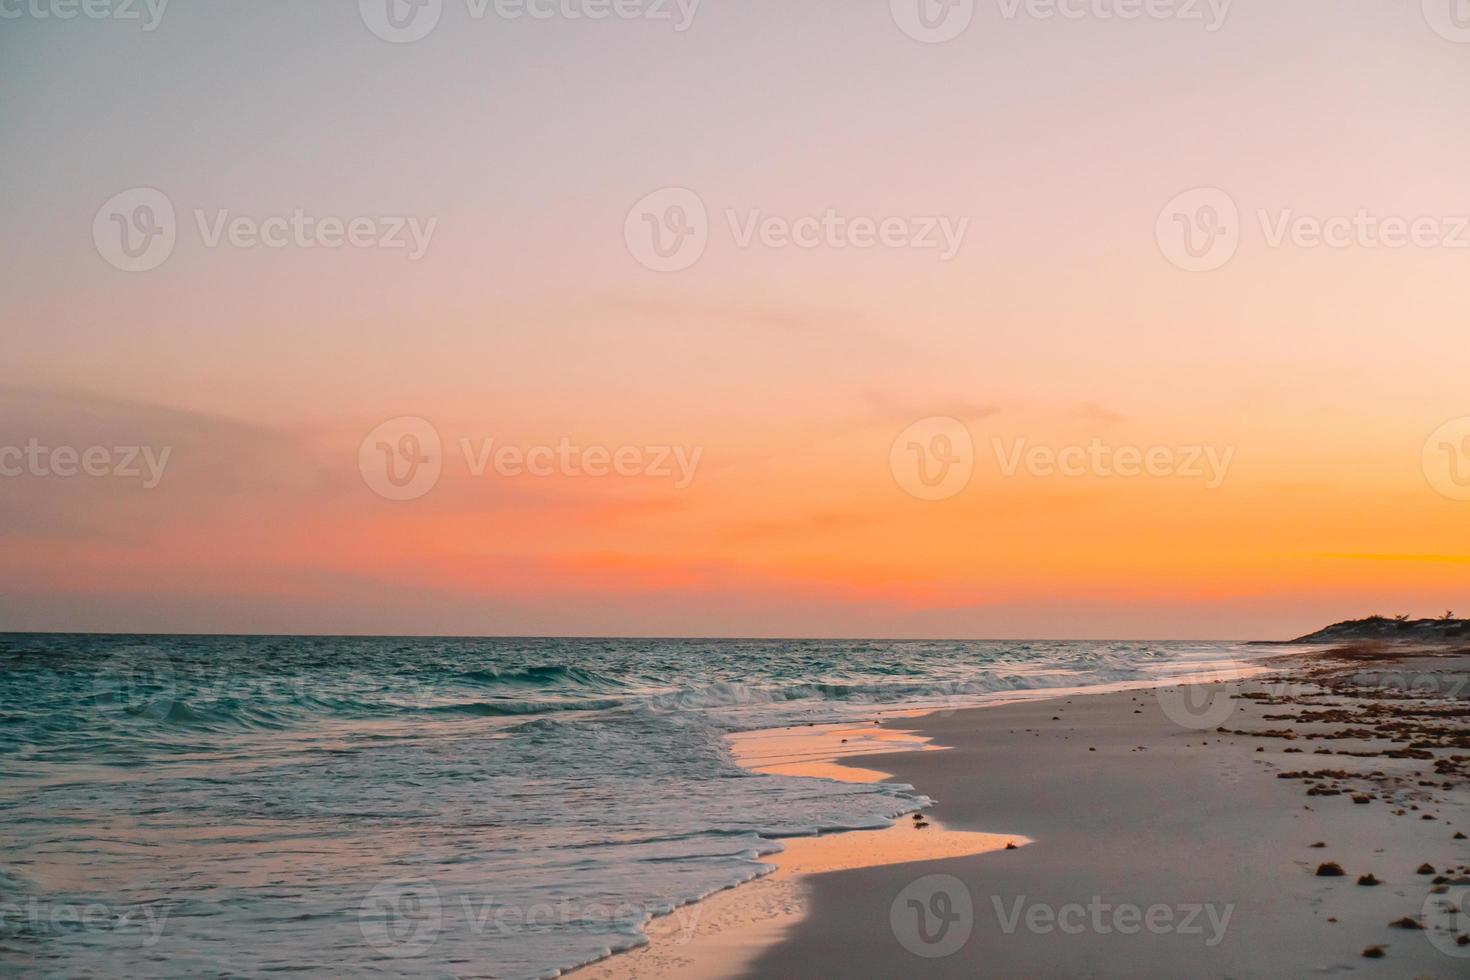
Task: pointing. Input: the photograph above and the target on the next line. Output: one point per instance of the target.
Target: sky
(988, 318)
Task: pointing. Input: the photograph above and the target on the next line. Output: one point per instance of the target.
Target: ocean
(181, 805)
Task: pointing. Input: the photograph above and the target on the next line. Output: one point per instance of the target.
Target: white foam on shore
(823, 750)
(722, 935)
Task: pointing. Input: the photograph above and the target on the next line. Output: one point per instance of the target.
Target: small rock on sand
(1329, 869)
(1373, 953)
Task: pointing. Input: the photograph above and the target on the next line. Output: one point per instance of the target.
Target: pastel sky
(1329, 377)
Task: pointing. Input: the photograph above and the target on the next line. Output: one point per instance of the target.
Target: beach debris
(1462, 940)
(1425, 869)
(1459, 835)
(1010, 845)
(921, 824)
(1362, 799)
(1320, 843)
(918, 816)
(1407, 922)
(1373, 953)
(1330, 869)
(1368, 879)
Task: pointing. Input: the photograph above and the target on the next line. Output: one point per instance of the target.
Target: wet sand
(721, 936)
(1167, 832)
(1134, 812)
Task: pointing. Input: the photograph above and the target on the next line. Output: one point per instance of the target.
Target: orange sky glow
(1305, 403)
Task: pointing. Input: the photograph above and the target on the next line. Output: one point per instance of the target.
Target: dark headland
(1397, 629)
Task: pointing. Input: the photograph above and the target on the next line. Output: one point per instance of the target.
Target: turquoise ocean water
(174, 805)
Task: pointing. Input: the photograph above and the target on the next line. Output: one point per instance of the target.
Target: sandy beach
(647, 489)
(1195, 830)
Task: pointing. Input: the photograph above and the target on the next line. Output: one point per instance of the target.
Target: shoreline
(1181, 804)
(722, 935)
(1179, 832)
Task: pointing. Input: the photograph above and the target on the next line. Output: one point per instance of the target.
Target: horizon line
(589, 636)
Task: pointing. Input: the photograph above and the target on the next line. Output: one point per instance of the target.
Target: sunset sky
(1064, 319)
